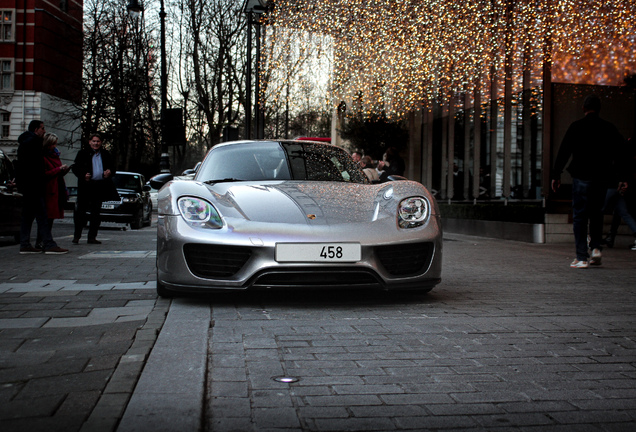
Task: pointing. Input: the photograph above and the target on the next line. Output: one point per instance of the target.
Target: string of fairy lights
(394, 55)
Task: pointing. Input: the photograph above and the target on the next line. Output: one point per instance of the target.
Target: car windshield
(280, 161)
(127, 181)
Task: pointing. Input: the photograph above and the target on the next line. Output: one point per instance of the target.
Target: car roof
(281, 141)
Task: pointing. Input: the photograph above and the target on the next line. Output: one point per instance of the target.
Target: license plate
(108, 206)
(318, 252)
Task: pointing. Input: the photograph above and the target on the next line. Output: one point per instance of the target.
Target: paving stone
(26, 408)
(500, 345)
(13, 323)
(230, 388)
(65, 384)
(355, 424)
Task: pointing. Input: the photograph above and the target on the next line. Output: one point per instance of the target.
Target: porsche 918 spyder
(293, 215)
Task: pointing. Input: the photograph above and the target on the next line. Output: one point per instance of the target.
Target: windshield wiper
(225, 180)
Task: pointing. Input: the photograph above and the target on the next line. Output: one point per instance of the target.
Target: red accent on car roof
(322, 139)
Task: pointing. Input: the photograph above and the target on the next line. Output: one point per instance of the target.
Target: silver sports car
(293, 214)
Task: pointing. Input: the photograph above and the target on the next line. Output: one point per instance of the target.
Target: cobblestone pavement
(511, 340)
(75, 330)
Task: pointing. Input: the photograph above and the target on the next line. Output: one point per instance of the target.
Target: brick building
(41, 67)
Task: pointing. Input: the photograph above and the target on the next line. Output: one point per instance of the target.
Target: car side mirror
(147, 188)
(159, 180)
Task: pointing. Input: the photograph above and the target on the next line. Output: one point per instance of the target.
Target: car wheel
(162, 291)
(138, 222)
(148, 221)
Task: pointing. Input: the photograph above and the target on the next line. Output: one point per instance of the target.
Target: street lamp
(250, 8)
(134, 9)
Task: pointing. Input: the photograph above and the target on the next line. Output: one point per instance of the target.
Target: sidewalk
(513, 339)
(76, 329)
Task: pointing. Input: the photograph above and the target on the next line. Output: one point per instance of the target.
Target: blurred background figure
(369, 169)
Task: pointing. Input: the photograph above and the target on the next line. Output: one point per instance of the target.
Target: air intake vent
(215, 261)
(343, 277)
(406, 259)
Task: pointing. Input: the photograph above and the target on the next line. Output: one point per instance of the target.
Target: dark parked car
(134, 206)
(10, 200)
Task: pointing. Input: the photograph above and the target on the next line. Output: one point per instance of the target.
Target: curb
(111, 405)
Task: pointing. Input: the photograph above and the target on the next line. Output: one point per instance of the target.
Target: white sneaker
(576, 264)
(596, 257)
(633, 247)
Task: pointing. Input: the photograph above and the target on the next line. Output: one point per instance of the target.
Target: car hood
(302, 202)
(127, 191)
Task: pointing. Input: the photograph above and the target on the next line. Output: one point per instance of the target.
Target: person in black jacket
(31, 181)
(94, 168)
(598, 156)
(392, 164)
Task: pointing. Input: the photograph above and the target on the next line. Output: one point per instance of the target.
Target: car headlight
(128, 199)
(413, 212)
(200, 213)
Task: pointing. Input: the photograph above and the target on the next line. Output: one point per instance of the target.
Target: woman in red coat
(56, 195)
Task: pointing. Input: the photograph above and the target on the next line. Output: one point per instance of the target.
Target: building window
(64, 5)
(6, 75)
(6, 32)
(5, 122)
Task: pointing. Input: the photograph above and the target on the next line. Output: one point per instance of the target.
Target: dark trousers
(34, 208)
(89, 200)
(617, 203)
(588, 198)
(38, 239)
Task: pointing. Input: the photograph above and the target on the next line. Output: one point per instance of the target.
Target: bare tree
(119, 83)
(207, 65)
(210, 68)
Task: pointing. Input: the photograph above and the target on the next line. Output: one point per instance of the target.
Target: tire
(138, 222)
(148, 222)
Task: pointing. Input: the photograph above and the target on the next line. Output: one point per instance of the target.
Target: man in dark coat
(94, 168)
(31, 181)
(598, 156)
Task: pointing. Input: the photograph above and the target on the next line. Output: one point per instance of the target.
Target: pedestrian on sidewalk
(597, 151)
(622, 203)
(94, 167)
(31, 181)
(56, 195)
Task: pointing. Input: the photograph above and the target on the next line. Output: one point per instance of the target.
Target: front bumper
(193, 260)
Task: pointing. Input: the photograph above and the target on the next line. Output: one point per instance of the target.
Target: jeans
(34, 207)
(588, 198)
(617, 203)
(38, 239)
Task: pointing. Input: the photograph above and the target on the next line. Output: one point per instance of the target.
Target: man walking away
(597, 151)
